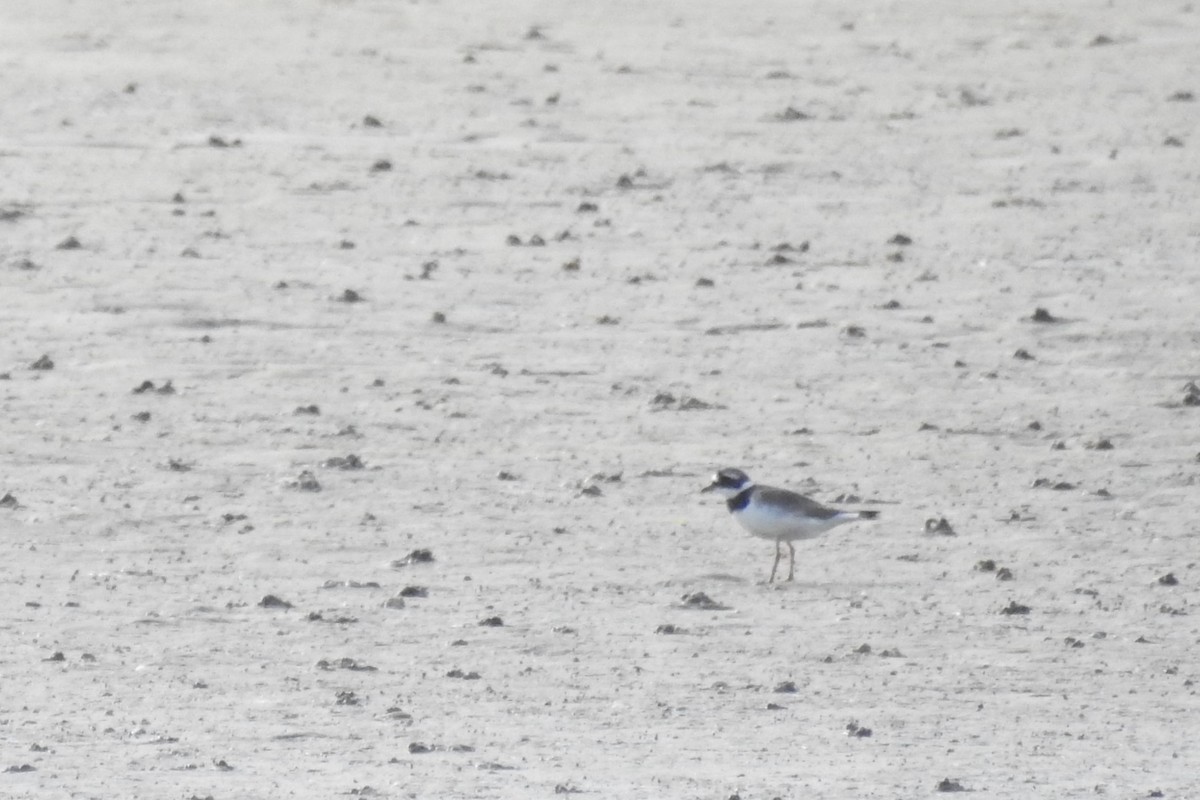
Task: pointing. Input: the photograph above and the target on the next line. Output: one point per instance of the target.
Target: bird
(778, 514)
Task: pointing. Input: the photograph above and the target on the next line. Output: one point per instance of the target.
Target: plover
(770, 513)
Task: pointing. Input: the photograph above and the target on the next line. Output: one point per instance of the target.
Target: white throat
(729, 492)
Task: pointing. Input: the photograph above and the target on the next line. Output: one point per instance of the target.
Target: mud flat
(362, 363)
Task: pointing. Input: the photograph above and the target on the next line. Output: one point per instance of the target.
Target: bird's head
(728, 482)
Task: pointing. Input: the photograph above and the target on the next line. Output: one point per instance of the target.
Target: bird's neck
(741, 499)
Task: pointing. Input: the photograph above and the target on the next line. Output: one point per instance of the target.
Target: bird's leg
(792, 561)
(776, 564)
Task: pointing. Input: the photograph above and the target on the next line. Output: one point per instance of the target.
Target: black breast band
(740, 500)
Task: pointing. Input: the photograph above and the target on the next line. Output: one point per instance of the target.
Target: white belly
(770, 523)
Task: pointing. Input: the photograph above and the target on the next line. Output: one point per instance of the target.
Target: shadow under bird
(778, 514)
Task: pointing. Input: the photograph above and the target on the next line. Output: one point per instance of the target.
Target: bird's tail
(868, 514)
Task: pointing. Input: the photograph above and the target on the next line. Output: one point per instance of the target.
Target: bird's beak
(708, 488)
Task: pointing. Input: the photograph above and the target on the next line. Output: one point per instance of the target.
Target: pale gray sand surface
(703, 202)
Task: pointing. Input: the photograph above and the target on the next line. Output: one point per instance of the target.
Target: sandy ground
(661, 239)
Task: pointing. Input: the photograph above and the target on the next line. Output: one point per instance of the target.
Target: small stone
(306, 482)
(791, 114)
(1042, 315)
(701, 601)
(1046, 483)
(273, 601)
(419, 556)
(350, 462)
(858, 731)
(939, 526)
(1191, 394)
(1168, 580)
(44, 364)
(345, 663)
